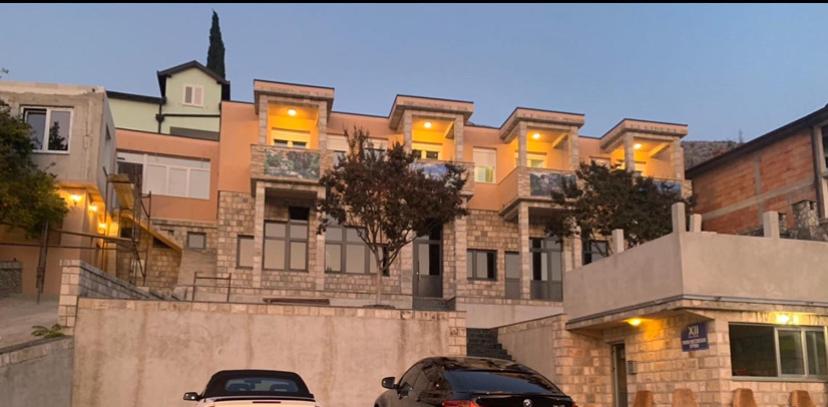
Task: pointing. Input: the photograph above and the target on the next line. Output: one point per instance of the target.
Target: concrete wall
(148, 353)
(37, 373)
(134, 115)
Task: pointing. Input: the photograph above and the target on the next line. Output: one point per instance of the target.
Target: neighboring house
(74, 139)
(497, 263)
(169, 147)
(784, 171)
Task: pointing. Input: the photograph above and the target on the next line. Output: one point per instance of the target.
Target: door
(428, 264)
(619, 375)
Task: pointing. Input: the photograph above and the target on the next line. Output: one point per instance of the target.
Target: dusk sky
(717, 68)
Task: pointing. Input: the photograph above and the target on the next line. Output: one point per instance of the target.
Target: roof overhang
(163, 75)
(538, 116)
(642, 128)
(423, 104)
(296, 91)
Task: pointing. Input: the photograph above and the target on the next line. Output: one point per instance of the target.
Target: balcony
(702, 266)
(531, 183)
(437, 168)
(276, 163)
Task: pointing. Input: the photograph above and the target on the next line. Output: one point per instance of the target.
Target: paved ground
(18, 314)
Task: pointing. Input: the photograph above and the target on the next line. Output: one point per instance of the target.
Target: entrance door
(428, 264)
(619, 374)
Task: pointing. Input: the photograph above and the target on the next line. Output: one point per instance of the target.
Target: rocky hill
(697, 152)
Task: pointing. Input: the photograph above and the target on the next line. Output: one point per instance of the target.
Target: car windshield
(499, 381)
(276, 384)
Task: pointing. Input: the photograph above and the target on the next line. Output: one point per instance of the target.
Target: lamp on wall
(634, 321)
(76, 199)
(93, 207)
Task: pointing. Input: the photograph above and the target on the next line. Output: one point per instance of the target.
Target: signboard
(694, 337)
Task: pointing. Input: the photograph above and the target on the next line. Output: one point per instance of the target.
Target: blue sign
(694, 337)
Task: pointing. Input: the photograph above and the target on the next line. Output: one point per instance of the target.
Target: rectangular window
(290, 138)
(512, 262)
(286, 243)
(167, 175)
(427, 151)
(485, 164)
(51, 127)
(196, 240)
(481, 264)
(345, 252)
(194, 95)
(244, 251)
(769, 351)
(547, 269)
(533, 160)
(594, 250)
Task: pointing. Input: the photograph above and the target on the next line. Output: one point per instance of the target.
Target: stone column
(325, 160)
(263, 119)
(678, 218)
(695, 223)
(317, 266)
(458, 139)
(460, 247)
(525, 255)
(574, 151)
(406, 267)
(408, 123)
(677, 158)
(617, 241)
(522, 144)
(258, 233)
(629, 152)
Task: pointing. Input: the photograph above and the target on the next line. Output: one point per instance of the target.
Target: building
(74, 139)
(783, 170)
(717, 315)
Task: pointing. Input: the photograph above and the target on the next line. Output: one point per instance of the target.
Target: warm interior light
(783, 319)
(427, 125)
(637, 146)
(93, 207)
(101, 227)
(634, 321)
(536, 136)
(76, 198)
(291, 112)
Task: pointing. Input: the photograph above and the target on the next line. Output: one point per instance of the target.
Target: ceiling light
(291, 112)
(637, 146)
(783, 319)
(75, 198)
(634, 321)
(427, 125)
(93, 207)
(536, 136)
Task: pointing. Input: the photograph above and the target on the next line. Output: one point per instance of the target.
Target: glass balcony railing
(437, 169)
(284, 162)
(542, 182)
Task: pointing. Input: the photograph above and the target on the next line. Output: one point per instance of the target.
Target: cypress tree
(215, 54)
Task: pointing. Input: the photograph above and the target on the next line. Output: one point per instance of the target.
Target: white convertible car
(254, 388)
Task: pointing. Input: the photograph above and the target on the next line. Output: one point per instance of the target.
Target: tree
(388, 198)
(600, 199)
(215, 54)
(28, 195)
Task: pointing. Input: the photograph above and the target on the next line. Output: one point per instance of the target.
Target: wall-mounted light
(427, 125)
(93, 207)
(637, 146)
(75, 198)
(101, 227)
(536, 136)
(783, 319)
(634, 321)
(291, 112)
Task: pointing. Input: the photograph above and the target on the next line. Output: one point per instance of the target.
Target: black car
(471, 382)
(240, 388)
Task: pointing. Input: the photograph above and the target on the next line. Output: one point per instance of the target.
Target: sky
(720, 69)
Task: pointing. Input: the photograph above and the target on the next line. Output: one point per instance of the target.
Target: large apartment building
(242, 205)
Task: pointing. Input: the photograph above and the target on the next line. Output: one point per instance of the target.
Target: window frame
(473, 254)
(343, 243)
(481, 150)
(44, 142)
(239, 239)
(587, 252)
(203, 236)
(546, 250)
(287, 240)
(145, 164)
(193, 87)
(777, 357)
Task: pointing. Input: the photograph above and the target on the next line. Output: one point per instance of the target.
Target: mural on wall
(292, 163)
(543, 183)
(431, 170)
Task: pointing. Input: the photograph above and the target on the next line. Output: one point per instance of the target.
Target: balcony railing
(437, 169)
(284, 162)
(542, 182)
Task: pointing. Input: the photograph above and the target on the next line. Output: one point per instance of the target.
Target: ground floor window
(286, 243)
(547, 269)
(345, 252)
(594, 250)
(512, 264)
(244, 251)
(772, 351)
(481, 264)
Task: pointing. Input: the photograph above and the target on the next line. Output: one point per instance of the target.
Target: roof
(759, 142)
(163, 75)
(134, 97)
(216, 385)
(476, 363)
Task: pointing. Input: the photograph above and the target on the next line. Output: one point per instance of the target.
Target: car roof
(472, 363)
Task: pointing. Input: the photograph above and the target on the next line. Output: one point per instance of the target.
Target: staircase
(483, 343)
(433, 304)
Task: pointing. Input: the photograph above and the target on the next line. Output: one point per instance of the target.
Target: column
(523, 186)
(460, 247)
(263, 118)
(325, 160)
(317, 265)
(574, 151)
(522, 144)
(458, 139)
(407, 126)
(405, 263)
(677, 158)
(258, 233)
(629, 152)
(525, 255)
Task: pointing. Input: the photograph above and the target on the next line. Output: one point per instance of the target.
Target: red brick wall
(732, 196)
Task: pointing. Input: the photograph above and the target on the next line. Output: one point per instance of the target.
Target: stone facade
(10, 278)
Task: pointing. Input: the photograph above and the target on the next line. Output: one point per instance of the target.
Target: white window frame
(145, 180)
(494, 166)
(44, 143)
(290, 137)
(425, 148)
(529, 157)
(200, 88)
(778, 354)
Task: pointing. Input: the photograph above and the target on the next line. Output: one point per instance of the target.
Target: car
(471, 382)
(240, 388)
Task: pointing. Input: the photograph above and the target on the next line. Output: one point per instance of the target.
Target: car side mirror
(389, 383)
(191, 396)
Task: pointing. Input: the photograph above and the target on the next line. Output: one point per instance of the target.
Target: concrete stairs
(483, 343)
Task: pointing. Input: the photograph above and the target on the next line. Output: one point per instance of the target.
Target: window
(244, 251)
(290, 138)
(512, 261)
(533, 160)
(194, 95)
(485, 164)
(426, 151)
(594, 250)
(51, 127)
(167, 175)
(286, 243)
(481, 264)
(547, 269)
(345, 252)
(825, 145)
(196, 240)
(769, 351)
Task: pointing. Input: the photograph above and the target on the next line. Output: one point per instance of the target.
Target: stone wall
(37, 373)
(126, 351)
(236, 217)
(11, 278)
(163, 268)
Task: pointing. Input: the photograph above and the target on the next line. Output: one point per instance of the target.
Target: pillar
(629, 152)
(460, 246)
(617, 241)
(407, 126)
(770, 224)
(525, 253)
(458, 139)
(574, 151)
(522, 144)
(695, 223)
(258, 233)
(678, 217)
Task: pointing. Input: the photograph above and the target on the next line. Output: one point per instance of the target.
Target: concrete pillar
(678, 217)
(258, 233)
(318, 265)
(629, 152)
(264, 104)
(677, 158)
(326, 161)
(770, 224)
(574, 151)
(460, 247)
(406, 267)
(617, 241)
(695, 223)
(458, 139)
(408, 123)
(522, 144)
(525, 254)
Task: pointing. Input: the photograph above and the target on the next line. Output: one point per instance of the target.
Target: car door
(430, 388)
(406, 392)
